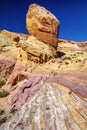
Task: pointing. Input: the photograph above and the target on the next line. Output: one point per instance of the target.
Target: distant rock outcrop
(42, 24)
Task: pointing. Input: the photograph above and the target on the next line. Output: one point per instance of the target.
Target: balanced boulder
(42, 24)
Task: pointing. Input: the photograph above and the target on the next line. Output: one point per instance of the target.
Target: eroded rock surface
(76, 82)
(42, 24)
(37, 50)
(52, 95)
(6, 68)
(72, 46)
(53, 107)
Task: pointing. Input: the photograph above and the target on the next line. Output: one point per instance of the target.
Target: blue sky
(72, 15)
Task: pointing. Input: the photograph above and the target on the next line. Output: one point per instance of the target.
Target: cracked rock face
(42, 24)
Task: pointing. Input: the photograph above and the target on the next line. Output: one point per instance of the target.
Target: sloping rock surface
(53, 107)
(52, 95)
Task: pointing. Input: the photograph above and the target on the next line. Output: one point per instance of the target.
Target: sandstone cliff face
(42, 88)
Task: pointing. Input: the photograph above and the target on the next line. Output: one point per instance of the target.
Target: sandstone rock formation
(73, 46)
(47, 87)
(52, 95)
(53, 107)
(42, 24)
(37, 50)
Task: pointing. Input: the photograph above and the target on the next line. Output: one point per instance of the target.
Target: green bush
(4, 93)
(2, 82)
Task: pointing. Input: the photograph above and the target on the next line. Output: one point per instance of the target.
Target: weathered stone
(8, 38)
(42, 24)
(37, 50)
(72, 45)
(53, 94)
(53, 107)
(34, 81)
(6, 68)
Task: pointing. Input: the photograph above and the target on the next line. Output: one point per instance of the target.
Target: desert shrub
(4, 93)
(2, 120)
(2, 82)
(2, 112)
(13, 110)
(66, 58)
